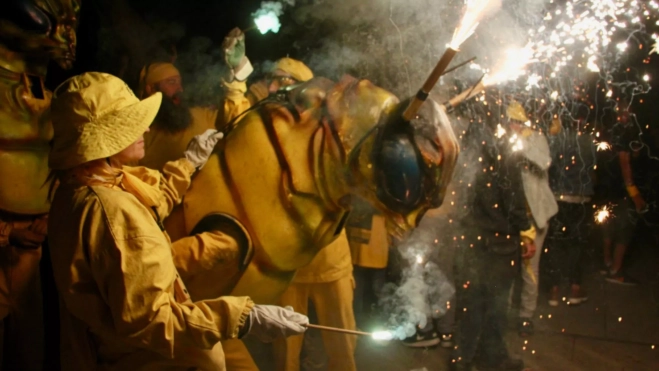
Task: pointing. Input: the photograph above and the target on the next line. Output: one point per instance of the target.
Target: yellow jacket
(124, 306)
(374, 253)
(161, 146)
(234, 101)
(330, 264)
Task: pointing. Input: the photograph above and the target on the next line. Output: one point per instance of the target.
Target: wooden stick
(341, 330)
(422, 94)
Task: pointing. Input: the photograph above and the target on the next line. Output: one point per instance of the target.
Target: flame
(268, 22)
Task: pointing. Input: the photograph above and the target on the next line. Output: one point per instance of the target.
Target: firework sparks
(512, 67)
(475, 11)
(603, 146)
(602, 214)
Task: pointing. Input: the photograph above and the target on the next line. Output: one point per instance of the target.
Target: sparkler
(602, 214)
(474, 12)
(603, 146)
(378, 335)
(267, 17)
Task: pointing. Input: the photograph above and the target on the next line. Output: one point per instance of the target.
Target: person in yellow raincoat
(176, 123)
(124, 306)
(369, 246)
(327, 281)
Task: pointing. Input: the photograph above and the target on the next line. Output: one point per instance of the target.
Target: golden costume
(285, 174)
(31, 34)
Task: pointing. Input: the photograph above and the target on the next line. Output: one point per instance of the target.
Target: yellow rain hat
(293, 68)
(96, 115)
(515, 111)
(154, 73)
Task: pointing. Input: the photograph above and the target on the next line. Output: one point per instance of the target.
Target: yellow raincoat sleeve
(234, 101)
(173, 182)
(132, 266)
(202, 252)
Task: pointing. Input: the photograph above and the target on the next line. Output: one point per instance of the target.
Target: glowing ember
(419, 259)
(603, 146)
(383, 335)
(602, 214)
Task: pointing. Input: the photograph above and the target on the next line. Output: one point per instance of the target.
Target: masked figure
(285, 173)
(31, 34)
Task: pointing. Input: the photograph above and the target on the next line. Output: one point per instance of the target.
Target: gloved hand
(234, 48)
(201, 147)
(234, 56)
(269, 322)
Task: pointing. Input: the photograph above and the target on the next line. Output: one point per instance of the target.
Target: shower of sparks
(603, 146)
(512, 66)
(500, 131)
(382, 335)
(517, 143)
(602, 214)
(474, 12)
(584, 30)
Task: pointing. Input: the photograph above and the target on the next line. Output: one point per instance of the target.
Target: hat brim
(114, 132)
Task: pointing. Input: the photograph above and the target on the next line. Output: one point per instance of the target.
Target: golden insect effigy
(283, 179)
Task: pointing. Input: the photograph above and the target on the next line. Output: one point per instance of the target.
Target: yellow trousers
(237, 357)
(333, 303)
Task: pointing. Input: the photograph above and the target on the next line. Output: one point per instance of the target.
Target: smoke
(396, 43)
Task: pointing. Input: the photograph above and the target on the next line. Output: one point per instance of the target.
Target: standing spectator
(489, 257)
(571, 180)
(618, 183)
(540, 202)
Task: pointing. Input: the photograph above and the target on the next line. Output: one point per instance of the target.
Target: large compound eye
(399, 176)
(27, 15)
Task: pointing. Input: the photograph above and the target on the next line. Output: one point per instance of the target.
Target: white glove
(269, 322)
(201, 147)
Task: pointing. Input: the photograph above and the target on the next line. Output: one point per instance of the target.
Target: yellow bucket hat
(515, 111)
(154, 73)
(294, 68)
(96, 115)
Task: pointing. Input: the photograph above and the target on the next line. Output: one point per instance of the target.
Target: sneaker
(577, 297)
(446, 340)
(422, 339)
(554, 296)
(525, 327)
(606, 269)
(621, 279)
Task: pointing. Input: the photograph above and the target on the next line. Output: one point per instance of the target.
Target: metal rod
(467, 94)
(341, 330)
(459, 65)
(249, 28)
(436, 73)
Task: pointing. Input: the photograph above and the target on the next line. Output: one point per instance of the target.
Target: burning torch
(473, 14)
